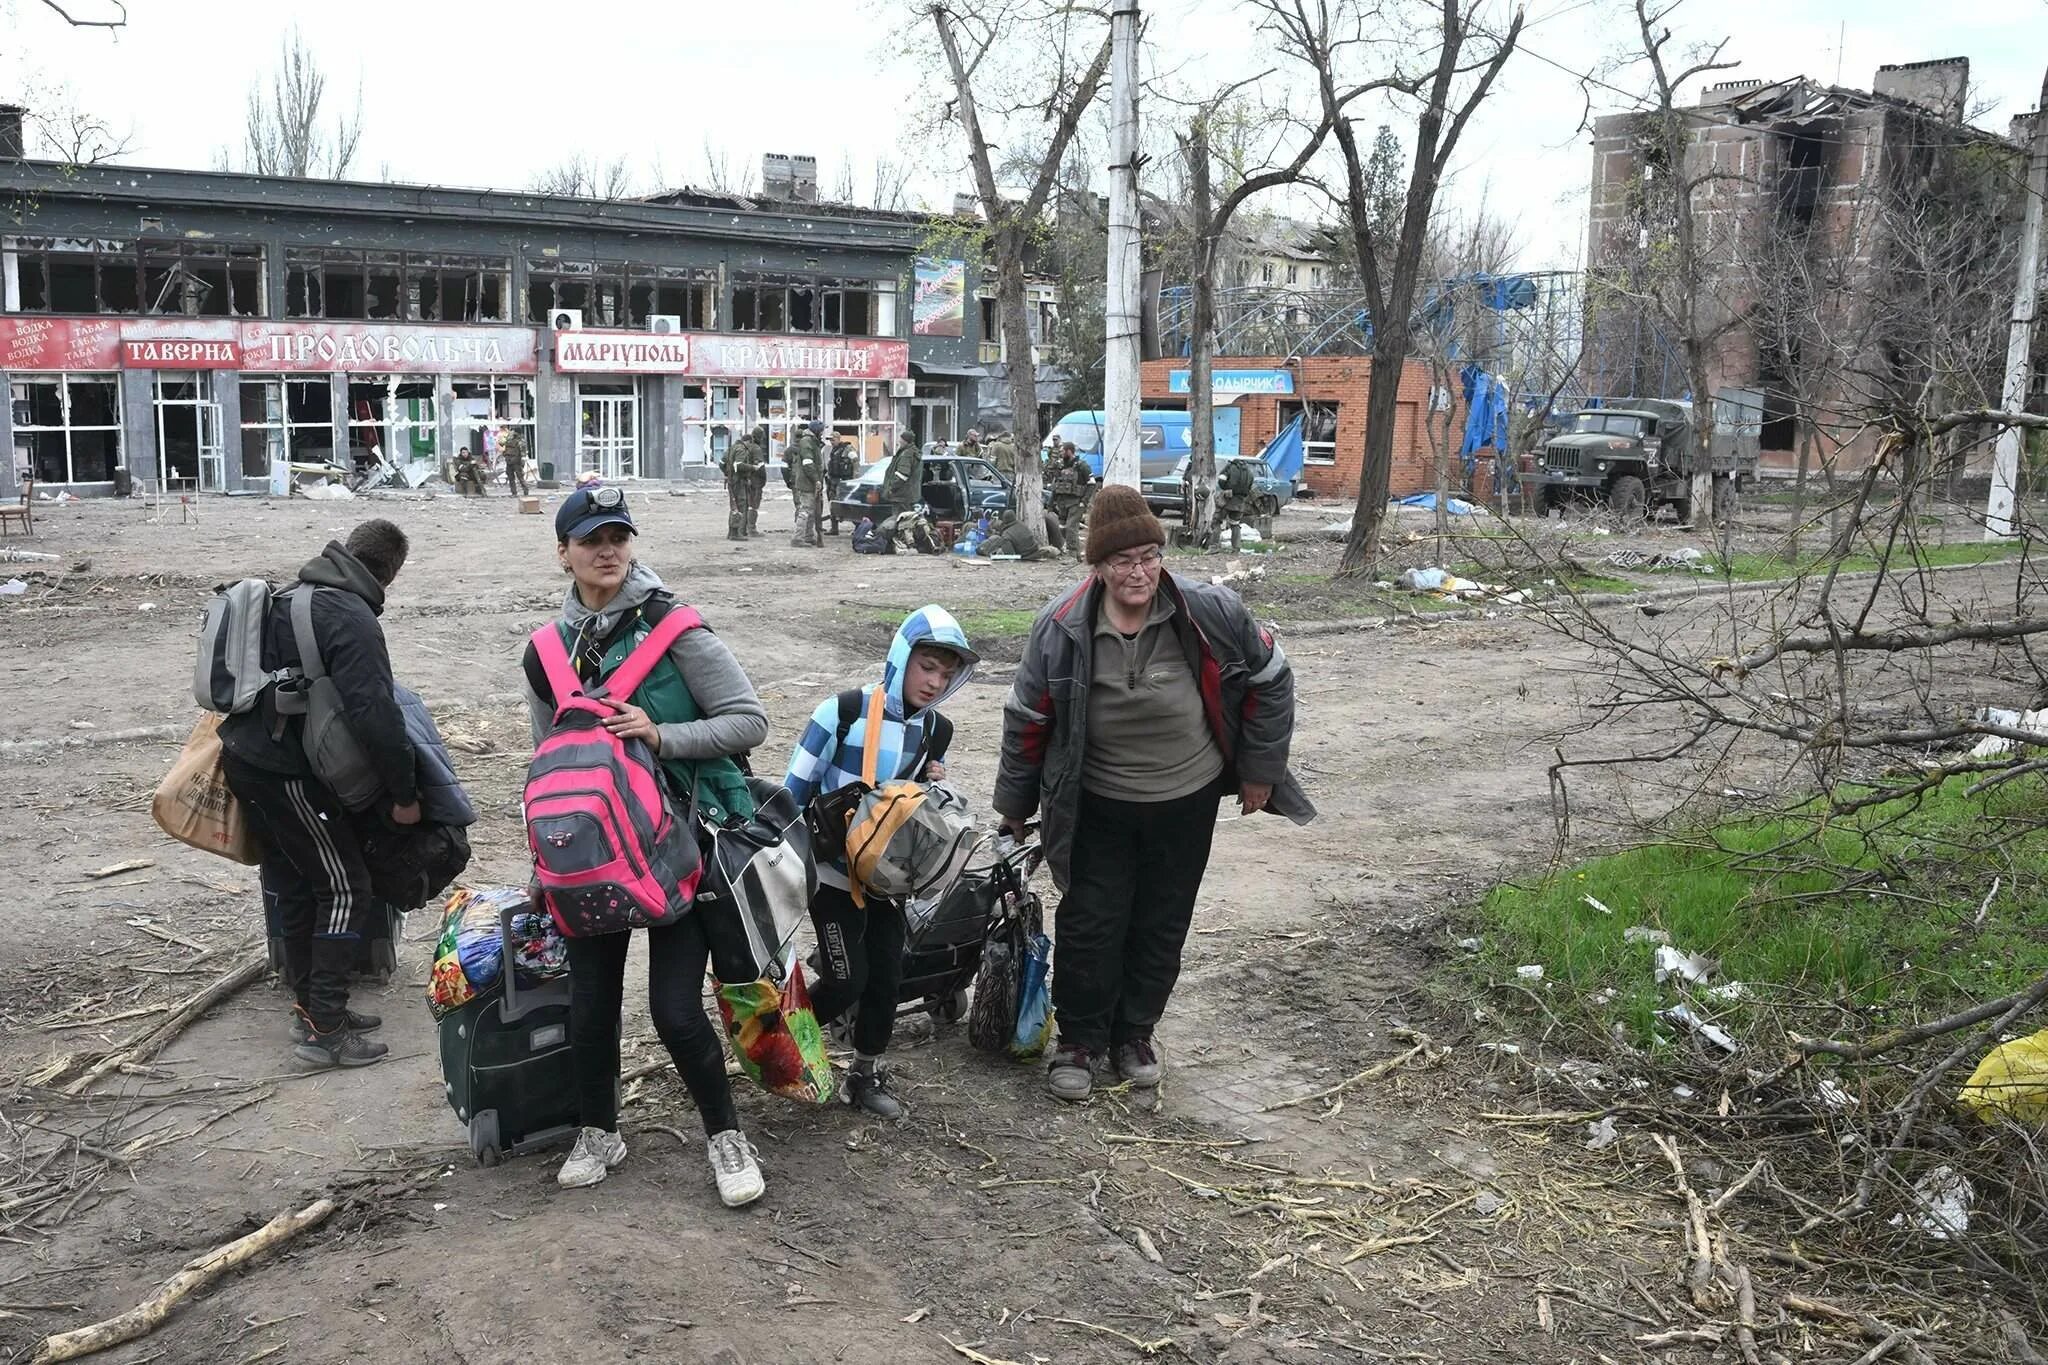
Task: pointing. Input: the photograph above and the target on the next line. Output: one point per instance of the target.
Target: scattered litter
(2011, 1081)
(327, 492)
(439, 1207)
(1470, 945)
(10, 555)
(1504, 1049)
(1604, 996)
(1488, 1204)
(146, 606)
(1236, 572)
(1532, 972)
(1600, 1136)
(1670, 962)
(1713, 1033)
(1576, 1070)
(83, 725)
(1423, 580)
(1683, 1092)
(13, 587)
(1445, 584)
(1685, 557)
(1834, 1097)
(1643, 933)
(1734, 990)
(1743, 794)
(1941, 1200)
(1997, 746)
(1597, 904)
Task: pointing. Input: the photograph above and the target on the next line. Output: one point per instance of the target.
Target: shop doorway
(189, 436)
(608, 427)
(932, 413)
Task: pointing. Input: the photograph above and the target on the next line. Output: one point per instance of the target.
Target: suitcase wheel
(483, 1138)
(951, 1008)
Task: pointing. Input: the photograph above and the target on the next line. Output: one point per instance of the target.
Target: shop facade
(1328, 393)
(212, 329)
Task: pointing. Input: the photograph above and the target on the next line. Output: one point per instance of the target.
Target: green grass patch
(1776, 902)
(1755, 568)
(980, 623)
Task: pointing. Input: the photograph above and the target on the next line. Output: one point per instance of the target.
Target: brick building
(1329, 391)
(1801, 243)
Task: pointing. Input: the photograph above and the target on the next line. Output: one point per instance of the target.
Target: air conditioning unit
(664, 324)
(903, 388)
(565, 319)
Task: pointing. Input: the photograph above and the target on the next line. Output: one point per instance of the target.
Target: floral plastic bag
(775, 1036)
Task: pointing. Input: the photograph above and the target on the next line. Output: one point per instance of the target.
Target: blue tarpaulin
(1284, 453)
(1457, 507)
(1486, 415)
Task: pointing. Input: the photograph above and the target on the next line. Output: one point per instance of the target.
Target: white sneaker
(595, 1154)
(736, 1166)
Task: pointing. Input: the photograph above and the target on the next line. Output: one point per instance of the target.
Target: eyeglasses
(606, 497)
(1128, 564)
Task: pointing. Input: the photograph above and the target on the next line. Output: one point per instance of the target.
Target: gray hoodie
(734, 720)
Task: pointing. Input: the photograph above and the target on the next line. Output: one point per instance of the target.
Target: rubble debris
(1670, 962)
(1685, 557)
(1600, 1136)
(10, 555)
(1532, 972)
(1643, 933)
(1998, 746)
(1602, 906)
(1713, 1033)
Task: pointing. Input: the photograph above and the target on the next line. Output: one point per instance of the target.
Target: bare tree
(61, 131)
(281, 130)
(118, 19)
(891, 185)
(580, 176)
(1208, 227)
(1014, 64)
(842, 182)
(721, 176)
(1324, 36)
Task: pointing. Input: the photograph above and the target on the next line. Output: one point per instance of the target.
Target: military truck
(1637, 455)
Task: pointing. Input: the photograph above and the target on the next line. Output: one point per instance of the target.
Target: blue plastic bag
(1034, 1001)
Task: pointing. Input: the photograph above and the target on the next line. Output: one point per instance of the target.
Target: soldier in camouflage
(1003, 451)
(757, 477)
(807, 484)
(735, 465)
(1068, 479)
(512, 450)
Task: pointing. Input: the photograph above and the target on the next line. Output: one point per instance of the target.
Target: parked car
(954, 485)
(1167, 494)
(1162, 438)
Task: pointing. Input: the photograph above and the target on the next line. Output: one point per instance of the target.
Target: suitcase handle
(512, 1006)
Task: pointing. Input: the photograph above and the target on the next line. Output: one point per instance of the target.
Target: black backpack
(842, 464)
(1237, 479)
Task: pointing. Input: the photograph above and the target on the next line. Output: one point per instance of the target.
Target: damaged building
(1858, 254)
(208, 330)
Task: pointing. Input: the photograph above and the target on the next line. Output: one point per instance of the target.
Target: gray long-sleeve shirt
(733, 720)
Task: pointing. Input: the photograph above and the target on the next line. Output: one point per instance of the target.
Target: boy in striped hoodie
(860, 951)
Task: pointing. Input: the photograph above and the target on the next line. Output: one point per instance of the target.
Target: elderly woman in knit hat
(1143, 700)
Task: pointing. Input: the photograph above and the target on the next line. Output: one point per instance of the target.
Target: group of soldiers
(469, 474)
(812, 474)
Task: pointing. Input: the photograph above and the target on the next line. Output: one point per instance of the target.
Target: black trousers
(1132, 879)
(860, 957)
(313, 871)
(676, 958)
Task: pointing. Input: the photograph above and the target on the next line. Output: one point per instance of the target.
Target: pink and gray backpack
(608, 849)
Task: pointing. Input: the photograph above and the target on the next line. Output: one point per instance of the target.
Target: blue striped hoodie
(821, 764)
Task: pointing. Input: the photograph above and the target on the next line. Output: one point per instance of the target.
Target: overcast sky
(473, 93)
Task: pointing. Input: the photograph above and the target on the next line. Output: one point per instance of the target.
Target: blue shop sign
(1237, 381)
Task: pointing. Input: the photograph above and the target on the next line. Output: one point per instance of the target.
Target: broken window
(285, 419)
(198, 279)
(1318, 430)
(69, 425)
(689, 293)
(391, 418)
(803, 308)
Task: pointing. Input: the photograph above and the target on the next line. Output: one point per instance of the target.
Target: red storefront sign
(45, 343)
(160, 344)
(387, 348)
(719, 354)
(613, 352)
(37, 343)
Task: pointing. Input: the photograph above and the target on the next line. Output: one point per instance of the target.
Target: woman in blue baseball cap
(698, 711)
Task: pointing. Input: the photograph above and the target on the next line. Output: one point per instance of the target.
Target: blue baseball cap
(586, 509)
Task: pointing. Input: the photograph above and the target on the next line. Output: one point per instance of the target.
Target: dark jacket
(352, 647)
(1247, 696)
(443, 801)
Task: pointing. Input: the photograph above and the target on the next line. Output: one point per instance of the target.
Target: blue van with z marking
(1163, 434)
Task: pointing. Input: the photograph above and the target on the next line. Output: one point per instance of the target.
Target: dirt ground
(1392, 1221)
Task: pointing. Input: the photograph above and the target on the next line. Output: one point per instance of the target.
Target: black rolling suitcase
(506, 1065)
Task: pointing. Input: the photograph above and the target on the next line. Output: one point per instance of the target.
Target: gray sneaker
(1070, 1075)
(344, 1047)
(595, 1154)
(736, 1167)
(1138, 1062)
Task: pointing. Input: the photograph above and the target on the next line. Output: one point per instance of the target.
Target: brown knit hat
(1119, 519)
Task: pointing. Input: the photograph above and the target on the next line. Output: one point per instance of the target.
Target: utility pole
(2005, 461)
(1120, 447)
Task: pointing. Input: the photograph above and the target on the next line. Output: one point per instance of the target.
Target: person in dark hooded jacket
(311, 844)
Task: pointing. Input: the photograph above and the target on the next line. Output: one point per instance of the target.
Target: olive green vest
(721, 786)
